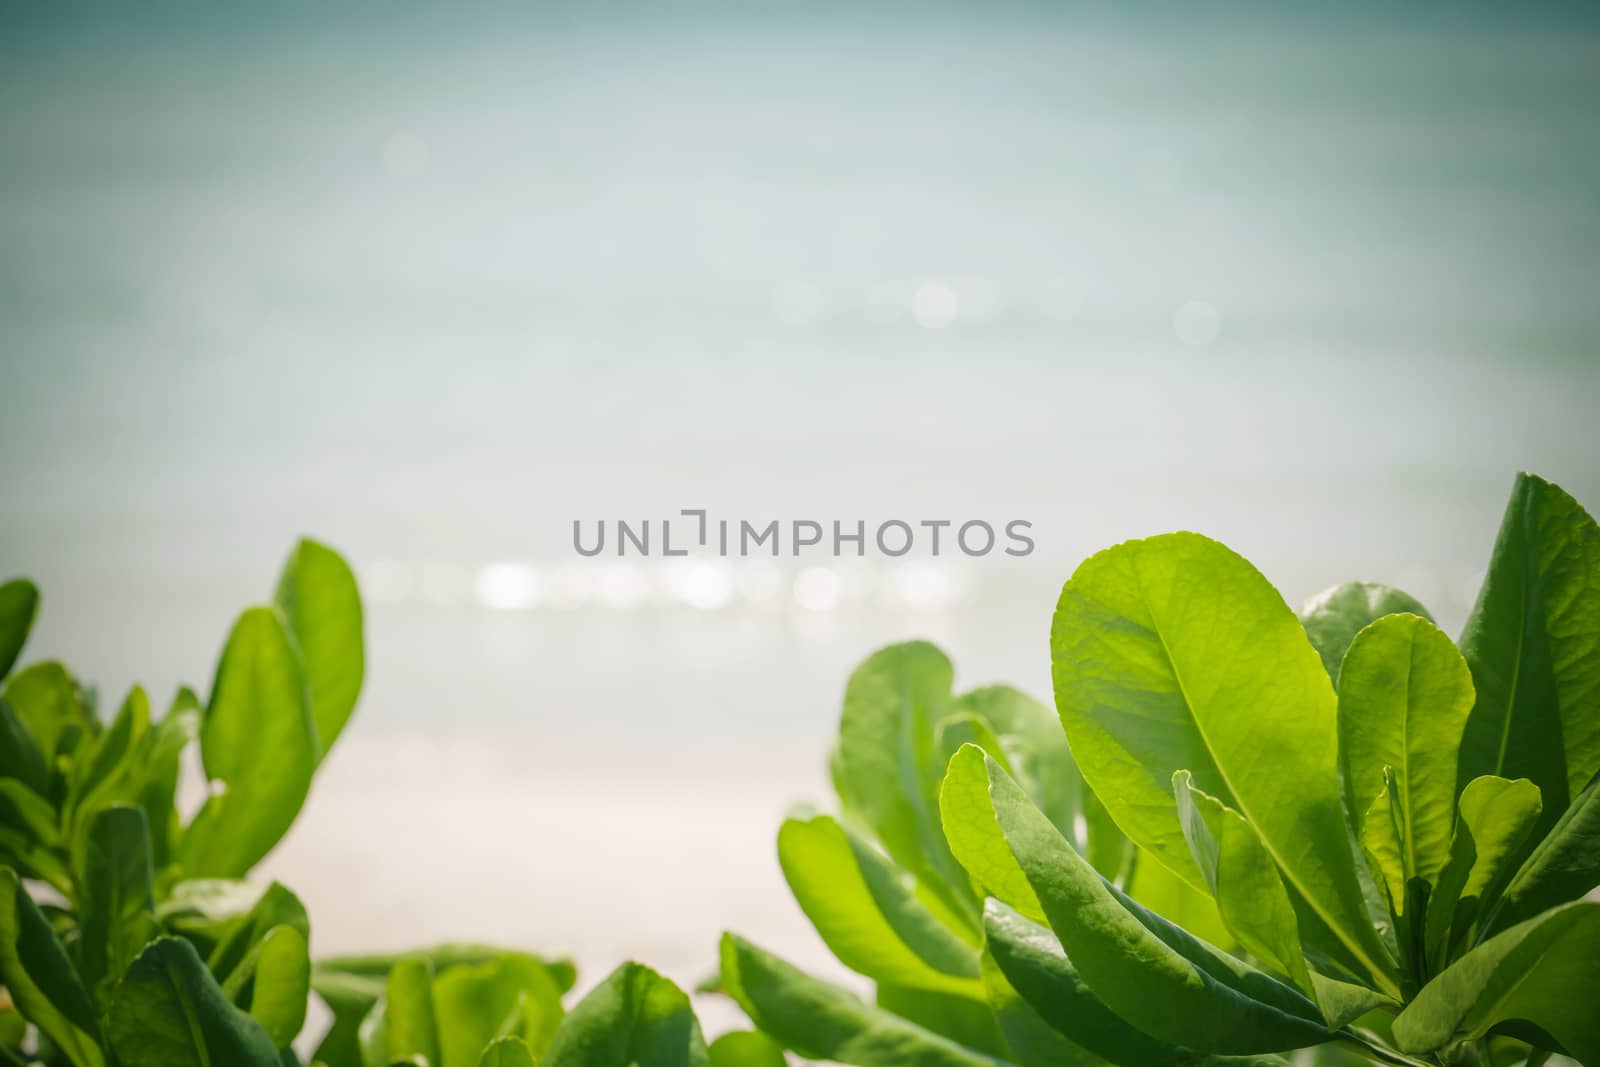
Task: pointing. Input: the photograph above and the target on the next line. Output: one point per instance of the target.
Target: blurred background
(430, 282)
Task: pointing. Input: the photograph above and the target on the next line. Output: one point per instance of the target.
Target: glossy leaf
(867, 913)
(116, 901)
(1153, 974)
(1533, 643)
(258, 741)
(823, 1022)
(40, 979)
(318, 597)
(1404, 696)
(19, 605)
(1173, 653)
(1033, 1041)
(1562, 867)
(1540, 973)
(169, 1012)
(1334, 616)
(887, 765)
(1495, 820)
(634, 1016)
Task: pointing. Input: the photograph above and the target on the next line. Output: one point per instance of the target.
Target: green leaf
(258, 741)
(634, 1016)
(1540, 974)
(116, 903)
(1404, 696)
(1033, 1041)
(1334, 616)
(745, 1048)
(413, 1026)
(19, 752)
(1173, 653)
(1562, 867)
(869, 912)
(1383, 839)
(280, 984)
(318, 597)
(1533, 643)
(235, 938)
(1029, 736)
(1152, 973)
(965, 1019)
(1242, 878)
(40, 979)
(887, 765)
(510, 994)
(1175, 900)
(976, 841)
(820, 1021)
(1496, 818)
(49, 705)
(19, 605)
(159, 756)
(506, 1052)
(169, 1012)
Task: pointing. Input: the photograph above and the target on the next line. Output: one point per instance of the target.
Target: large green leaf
(1152, 973)
(1029, 735)
(887, 765)
(869, 913)
(38, 975)
(1033, 1041)
(1562, 867)
(259, 746)
(1533, 642)
(1404, 696)
(1334, 616)
(1495, 819)
(1535, 981)
(413, 1022)
(965, 1019)
(169, 1012)
(1174, 653)
(116, 899)
(280, 984)
(47, 701)
(634, 1016)
(318, 596)
(823, 1022)
(509, 994)
(19, 605)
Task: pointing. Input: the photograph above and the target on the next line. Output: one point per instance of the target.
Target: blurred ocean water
(430, 283)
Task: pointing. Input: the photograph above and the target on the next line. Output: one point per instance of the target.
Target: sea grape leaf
(1496, 816)
(1033, 1041)
(19, 606)
(820, 1021)
(1562, 867)
(116, 898)
(1174, 653)
(509, 994)
(506, 1052)
(867, 913)
(1404, 696)
(169, 1012)
(1334, 616)
(1533, 643)
(1250, 896)
(413, 1023)
(1155, 975)
(318, 597)
(39, 976)
(258, 741)
(887, 764)
(965, 1019)
(634, 1016)
(280, 983)
(1534, 981)
(49, 705)
(745, 1048)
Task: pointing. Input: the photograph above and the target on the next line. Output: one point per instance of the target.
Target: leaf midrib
(1359, 950)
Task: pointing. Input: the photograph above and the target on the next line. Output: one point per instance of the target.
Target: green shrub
(1337, 831)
